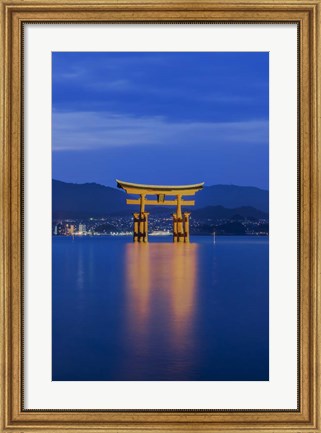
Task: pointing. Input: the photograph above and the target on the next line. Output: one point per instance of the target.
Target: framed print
(160, 207)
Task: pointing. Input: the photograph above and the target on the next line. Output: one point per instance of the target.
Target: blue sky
(161, 118)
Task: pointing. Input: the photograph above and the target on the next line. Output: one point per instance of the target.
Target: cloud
(72, 75)
(225, 99)
(114, 86)
(78, 131)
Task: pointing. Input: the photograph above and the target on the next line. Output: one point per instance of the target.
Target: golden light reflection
(138, 282)
(161, 282)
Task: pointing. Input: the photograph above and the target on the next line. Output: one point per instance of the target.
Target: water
(160, 311)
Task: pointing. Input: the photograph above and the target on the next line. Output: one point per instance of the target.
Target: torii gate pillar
(181, 227)
(140, 226)
(141, 222)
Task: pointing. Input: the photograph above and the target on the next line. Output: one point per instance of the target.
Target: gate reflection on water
(162, 281)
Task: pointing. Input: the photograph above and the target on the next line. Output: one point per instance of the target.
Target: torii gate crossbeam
(180, 220)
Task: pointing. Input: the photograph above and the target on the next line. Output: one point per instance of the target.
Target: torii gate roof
(137, 188)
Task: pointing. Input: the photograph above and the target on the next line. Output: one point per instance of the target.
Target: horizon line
(115, 187)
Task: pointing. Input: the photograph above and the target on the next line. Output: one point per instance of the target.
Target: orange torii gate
(180, 221)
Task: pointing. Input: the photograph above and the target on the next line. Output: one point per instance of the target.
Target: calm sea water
(160, 311)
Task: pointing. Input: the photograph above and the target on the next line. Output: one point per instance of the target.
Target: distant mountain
(220, 212)
(70, 200)
(232, 196)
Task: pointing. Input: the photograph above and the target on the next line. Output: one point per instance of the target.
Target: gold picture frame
(307, 14)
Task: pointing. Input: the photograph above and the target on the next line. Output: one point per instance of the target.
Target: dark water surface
(160, 311)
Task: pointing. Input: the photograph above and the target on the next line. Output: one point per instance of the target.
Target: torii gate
(180, 221)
